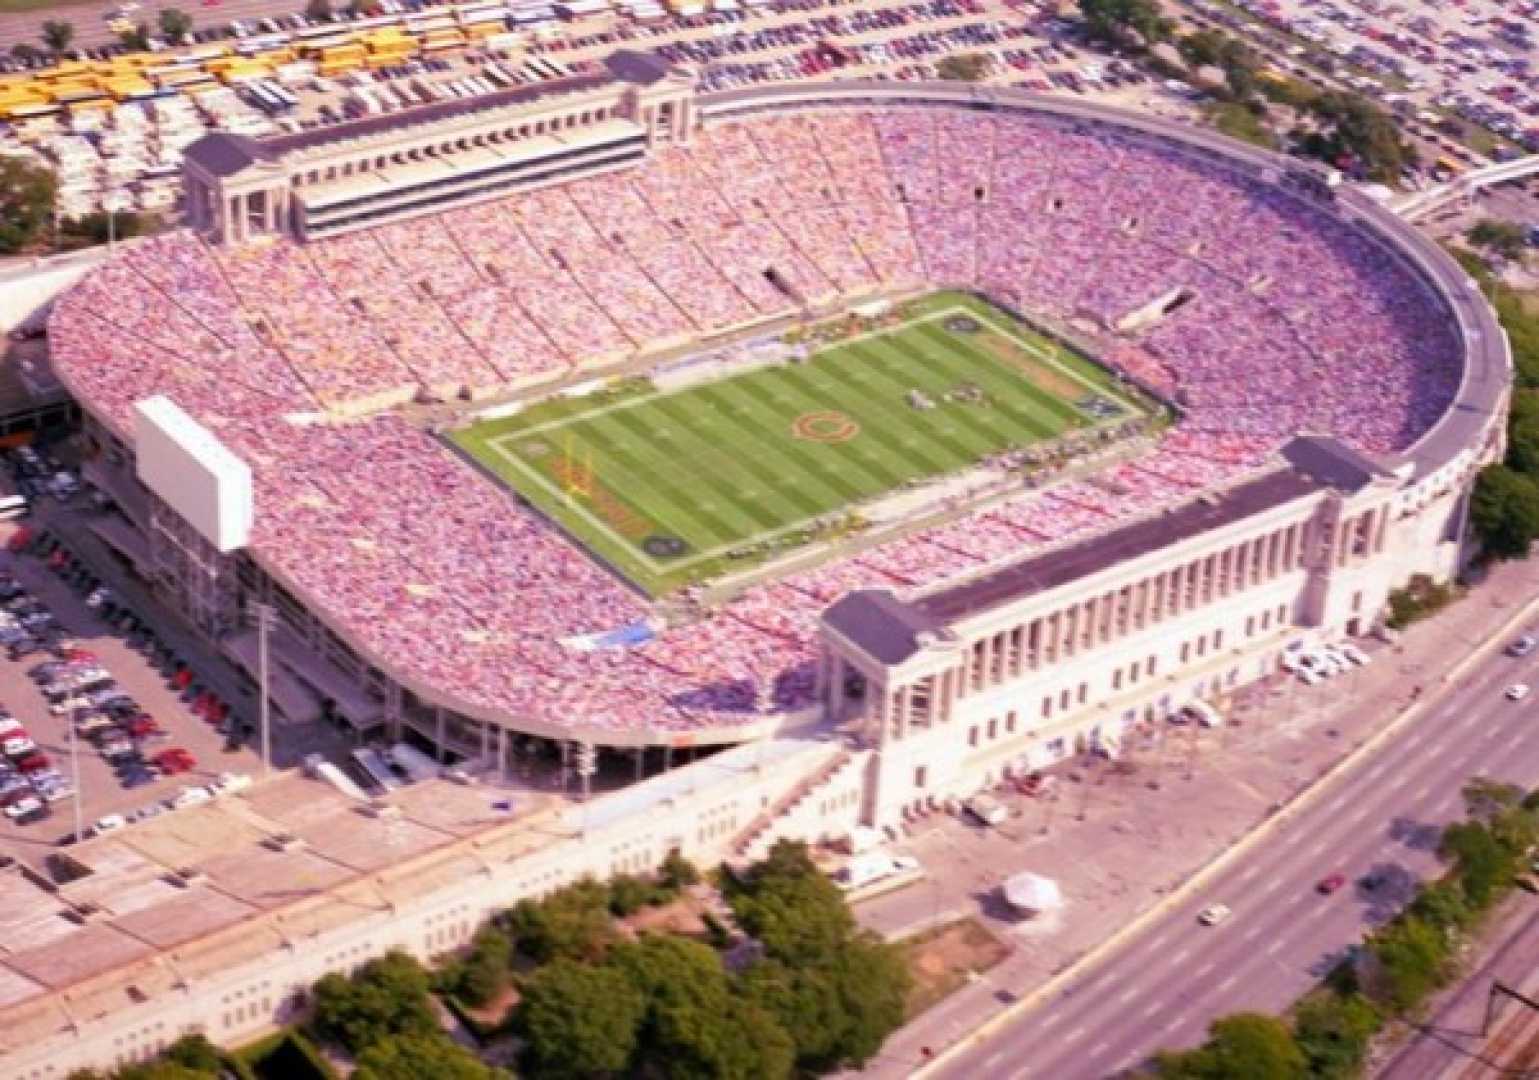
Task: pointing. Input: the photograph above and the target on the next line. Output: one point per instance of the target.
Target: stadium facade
(932, 686)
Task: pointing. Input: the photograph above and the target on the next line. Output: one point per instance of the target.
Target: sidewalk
(1119, 841)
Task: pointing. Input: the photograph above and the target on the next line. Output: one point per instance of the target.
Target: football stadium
(813, 454)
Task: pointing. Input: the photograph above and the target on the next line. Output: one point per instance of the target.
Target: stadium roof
(1332, 462)
(881, 625)
(223, 153)
(1066, 564)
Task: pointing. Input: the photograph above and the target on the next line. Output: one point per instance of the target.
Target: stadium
(975, 425)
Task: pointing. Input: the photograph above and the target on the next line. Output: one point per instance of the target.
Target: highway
(1164, 985)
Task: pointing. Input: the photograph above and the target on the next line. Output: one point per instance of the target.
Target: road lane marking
(1095, 1051)
(1227, 983)
(1200, 972)
(1157, 940)
(1272, 886)
(1318, 847)
(993, 1060)
(1175, 1023)
(1153, 1007)
(1274, 948)
(1375, 772)
(1127, 996)
(1075, 1034)
(1362, 812)
(1180, 956)
(1251, 933)
(1250, 872)
(1422, 792)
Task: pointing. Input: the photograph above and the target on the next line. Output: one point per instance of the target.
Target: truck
(987, 809)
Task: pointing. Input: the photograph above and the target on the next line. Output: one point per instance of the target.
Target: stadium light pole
(265, 616)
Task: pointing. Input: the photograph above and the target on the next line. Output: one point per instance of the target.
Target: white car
(1214, 914)
(10, 724)
(230, 783)
(22, 808)
(189, 796)
(17, 745)
(110, 823)
(1517, 691)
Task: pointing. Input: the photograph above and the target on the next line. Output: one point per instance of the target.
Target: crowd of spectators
(294, 354)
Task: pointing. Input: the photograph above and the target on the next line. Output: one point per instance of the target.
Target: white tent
(1033, 893)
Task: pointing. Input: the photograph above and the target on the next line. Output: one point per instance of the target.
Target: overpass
(1465, 187)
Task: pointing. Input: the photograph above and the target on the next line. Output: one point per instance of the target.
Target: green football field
(678, 486)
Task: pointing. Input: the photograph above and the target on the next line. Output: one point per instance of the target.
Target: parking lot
(152, 718)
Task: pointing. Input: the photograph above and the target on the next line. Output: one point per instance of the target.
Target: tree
(1251, 1045)
(1403, 963)
(412, 1057)
(26, 203)
(580, 1020)
(57, 34)
(195, 1052)
(677, 873)
(572, 922)
(1523, 433)
(1442, 904)
(963, 67)
(1508, 239)
(137, 39)
(1504, 511)
(483, 973)
(318, 10)
(388, 996)
(175, 24)
(1127, 23)
(1333, 1032)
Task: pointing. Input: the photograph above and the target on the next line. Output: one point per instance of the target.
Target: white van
(13, 507)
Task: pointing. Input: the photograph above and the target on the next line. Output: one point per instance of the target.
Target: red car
(175, 760)
(1330, 884)
(142, 726)
(33, 762)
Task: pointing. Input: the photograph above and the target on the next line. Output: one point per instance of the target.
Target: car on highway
(1523, 646)
(1330, 883)
(1214, 914)
(1517, 691)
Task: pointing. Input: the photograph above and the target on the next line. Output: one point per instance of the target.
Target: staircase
(760, 834)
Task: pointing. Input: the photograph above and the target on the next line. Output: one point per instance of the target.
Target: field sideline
(677, 486)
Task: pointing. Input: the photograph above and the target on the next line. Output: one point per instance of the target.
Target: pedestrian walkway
(1120, 840)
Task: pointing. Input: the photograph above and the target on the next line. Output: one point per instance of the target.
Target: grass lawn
(940, 961)
(673, 487)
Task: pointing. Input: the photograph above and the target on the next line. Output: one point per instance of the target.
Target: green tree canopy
(1128, 23)
(1333, 1032)
(1508, 239)
(414, 1057)
(1404, 963)
(1504, 511)
(572, 922)
(387, 997)
(1252, 1045)
(26, 203)
(580, 1020)
(483, 973)
(963, 67)
(1523, 433)
(175, 24)
(57, 34)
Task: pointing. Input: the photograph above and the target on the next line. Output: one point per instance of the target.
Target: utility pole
(74, 771)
